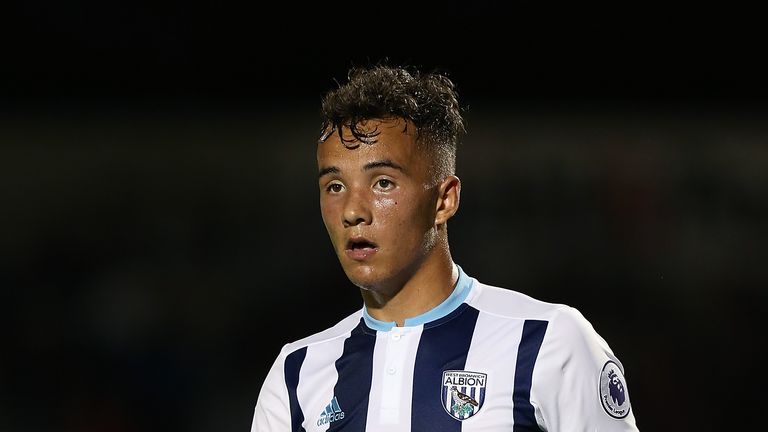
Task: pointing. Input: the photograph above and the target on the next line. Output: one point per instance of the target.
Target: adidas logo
(331, 413)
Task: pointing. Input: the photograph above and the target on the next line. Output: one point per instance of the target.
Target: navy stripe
(355, 369)
(442, 347)
(523, 412)
(291, 367)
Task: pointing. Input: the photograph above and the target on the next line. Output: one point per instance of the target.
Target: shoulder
(571, 328)
(571, 342)
(566, 325)
(339, 330)
(508, 303)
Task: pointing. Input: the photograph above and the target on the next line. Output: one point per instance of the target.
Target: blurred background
(160, 235)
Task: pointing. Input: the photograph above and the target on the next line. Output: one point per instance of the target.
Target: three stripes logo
(331, 413)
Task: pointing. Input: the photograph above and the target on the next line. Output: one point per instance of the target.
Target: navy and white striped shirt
(486, 359)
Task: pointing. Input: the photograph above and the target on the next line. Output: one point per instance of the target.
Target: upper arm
(578, 383)
(272, 412)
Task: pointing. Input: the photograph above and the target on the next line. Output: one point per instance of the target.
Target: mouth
(360, 248)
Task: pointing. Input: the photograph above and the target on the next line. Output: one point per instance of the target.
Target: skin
(385, 193)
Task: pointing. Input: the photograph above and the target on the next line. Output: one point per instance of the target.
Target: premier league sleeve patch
(613, 391)
(463, 393)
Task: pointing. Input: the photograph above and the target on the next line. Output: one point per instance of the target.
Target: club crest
(463, 393)
(613, 391)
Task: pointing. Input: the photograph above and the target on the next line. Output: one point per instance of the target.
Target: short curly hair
(428, 100)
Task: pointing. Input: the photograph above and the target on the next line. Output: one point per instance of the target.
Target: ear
(449, 192)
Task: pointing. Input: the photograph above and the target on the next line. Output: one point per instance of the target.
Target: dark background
(160, 236)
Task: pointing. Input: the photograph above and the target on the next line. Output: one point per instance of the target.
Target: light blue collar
(457, 297)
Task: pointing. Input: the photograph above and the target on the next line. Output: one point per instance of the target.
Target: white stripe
(493, 351)
(394, 358)
(317, 379)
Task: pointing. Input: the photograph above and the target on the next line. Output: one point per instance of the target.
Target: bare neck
(416, 292)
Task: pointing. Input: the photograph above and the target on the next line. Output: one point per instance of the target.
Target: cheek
(328, 205)
(390, 212)
(385, 205)
(329, 212)
(399, 213)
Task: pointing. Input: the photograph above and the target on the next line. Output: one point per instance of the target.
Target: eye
(384, 184)
(334, 187)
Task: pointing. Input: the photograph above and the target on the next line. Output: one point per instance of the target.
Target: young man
(432, 348)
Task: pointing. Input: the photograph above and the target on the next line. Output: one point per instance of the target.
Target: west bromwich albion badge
(613, 391)
(463, 393)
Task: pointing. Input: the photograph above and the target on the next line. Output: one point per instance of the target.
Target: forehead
(395, 140)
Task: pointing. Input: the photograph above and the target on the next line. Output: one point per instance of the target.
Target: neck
(417, 292)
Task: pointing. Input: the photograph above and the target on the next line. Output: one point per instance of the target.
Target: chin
(377, 282)
(362, 277)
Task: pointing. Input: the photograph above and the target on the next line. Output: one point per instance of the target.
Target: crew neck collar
(457, 297)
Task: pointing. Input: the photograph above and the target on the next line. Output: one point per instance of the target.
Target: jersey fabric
(485, 359)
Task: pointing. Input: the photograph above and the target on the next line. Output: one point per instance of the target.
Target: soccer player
(432, 348)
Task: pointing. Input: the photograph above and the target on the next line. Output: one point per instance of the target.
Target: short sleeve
(578, 383)
(272, 412)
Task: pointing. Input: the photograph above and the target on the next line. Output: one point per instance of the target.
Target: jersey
(485, 359)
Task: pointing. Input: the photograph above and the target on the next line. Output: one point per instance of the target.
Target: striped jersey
(485, 359)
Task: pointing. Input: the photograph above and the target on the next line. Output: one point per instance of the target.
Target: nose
(356, 210)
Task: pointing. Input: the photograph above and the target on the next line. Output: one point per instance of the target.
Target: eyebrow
(386, 163)
(328, 170)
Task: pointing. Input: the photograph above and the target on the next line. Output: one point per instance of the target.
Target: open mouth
(360, 243)
(361, 249)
